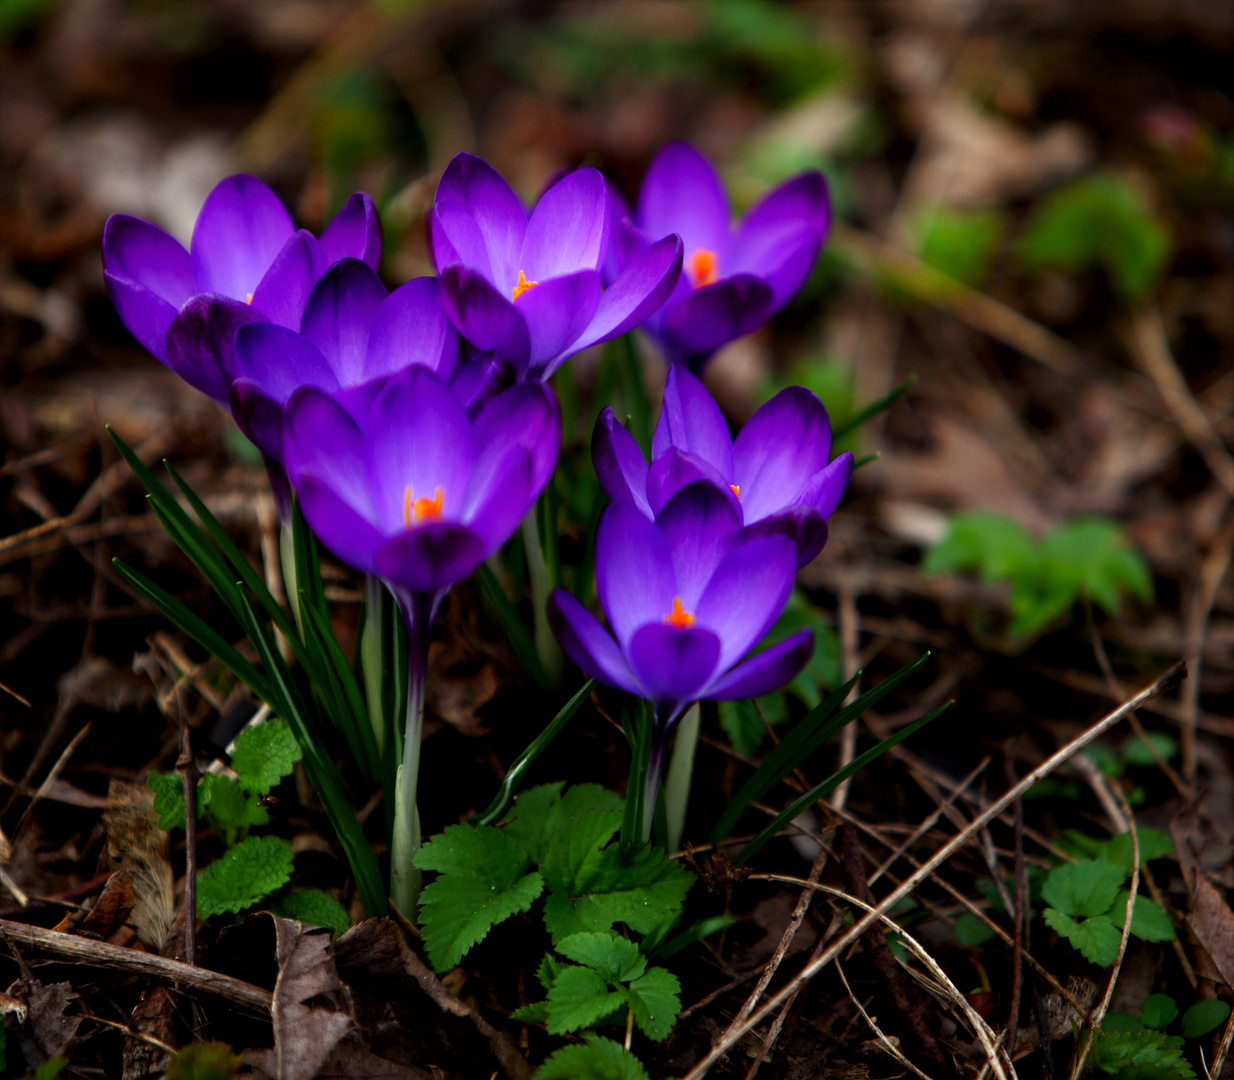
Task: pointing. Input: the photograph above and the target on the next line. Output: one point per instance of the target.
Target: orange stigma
(523, 285)
(679, 617)
(703, 266)
(736, 490)
(416, 511)
(250, 298)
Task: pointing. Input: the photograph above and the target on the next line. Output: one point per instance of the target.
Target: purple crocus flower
(398, 481)
(246, 263)
(775, 475)
(529, 288)
(687, 596)
(735, 278)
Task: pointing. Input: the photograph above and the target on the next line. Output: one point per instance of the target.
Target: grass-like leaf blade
(872, 410)
(520, 640)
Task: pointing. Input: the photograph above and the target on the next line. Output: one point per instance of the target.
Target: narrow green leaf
(835, 780)
(873, 409)
(520, 640)
(515, 775)
(704, 928)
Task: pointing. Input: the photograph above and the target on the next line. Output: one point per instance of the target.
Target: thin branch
(1167, 681)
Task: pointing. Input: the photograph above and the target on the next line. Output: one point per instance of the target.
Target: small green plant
(595, 1058)
(1087, 902)
(204, 1061)
(1138, 1048)
(608, 907)
(961, 244)
(253, 867)
(1103, 222)
(1089, 557)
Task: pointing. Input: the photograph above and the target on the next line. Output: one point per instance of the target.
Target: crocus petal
(634, 571)
(484, 316)
(803, 525)
(826, 488)
(782, 260)
(285, 288)
(279, 361)
(241, 228)
(455, 237)
(700, 526)
(556, 312)
(149, 276)
(259, 416)
(496, 508)
(355, 233)
(780, 237)
(430, 557)
(200, 343)
(526, 416)
(569, 227)
(339, 314)
(715, 315)
(691, 420)
(419, 438)
(675, 469)
(746, 594)
(478, 380)
(624, 240)
(619, 463)
(767, 671)
(647, 281)
(497, 211)
(682, 194)
(322, 438)
(672, 664)
(779, 450)
(410, 328)
(588, 644)
(337, 524)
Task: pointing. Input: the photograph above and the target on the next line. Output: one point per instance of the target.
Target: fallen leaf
(112, 909)
(45, 1031)
(156, 1014)
(1211, 920)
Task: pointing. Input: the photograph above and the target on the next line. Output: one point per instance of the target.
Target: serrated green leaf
(615, 958)
(264, 754)
(970, 930)
(548, 970)
(1097, 939)
(638, 885)
(573, 851)
(315, 907)
(578, 999)
(534, 1013)
(994, 546)
(595, 1058)
(743, 724)
(1148, 921)
(561, 918)
(244, 876)
(1158, 1011)
(655, 999)
(538, 813)
(1141, 1055)
(229, 806)
(1117, 850)
(1204, 1016)
(1087, 887)
(168, 791)
(481, 884)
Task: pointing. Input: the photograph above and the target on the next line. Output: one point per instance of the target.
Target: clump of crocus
(686, 596)
(400, 483)
(735, 278)
(530, 288)
(777, 475)
(246, 263)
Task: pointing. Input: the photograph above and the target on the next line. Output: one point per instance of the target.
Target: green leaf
(1148, 921)
(617, 959)
(744, 726)
(993, 546)
(244, 876)
(1137, 752)
(534, 1013)
(655, 1000)
(595, 1058)
(573, 851)
(1099, 221)
(959, 243)
(481, 884)
(561, 917)
(264, 754)
(548, 970)
(1204, 1016)
(1121, 1021)
(315, 907)
(970, 930)
(1153, 845)
(229, 805)
(578, 999)
(168, 791)
(50, 1069)
(1158, 1011)
(1083, 888)
(637, 885)
(1141, 1055)
(538, 813)
(204, 1061)
(1097, 938)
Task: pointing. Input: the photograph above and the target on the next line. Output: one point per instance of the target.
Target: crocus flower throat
(422, 509)
(703, 267)
(679, 617)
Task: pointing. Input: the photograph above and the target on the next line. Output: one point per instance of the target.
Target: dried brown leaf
(112, 909)
(45, 1030)
(156, 1014)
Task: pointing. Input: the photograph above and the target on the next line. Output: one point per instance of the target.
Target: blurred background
(1034, 215)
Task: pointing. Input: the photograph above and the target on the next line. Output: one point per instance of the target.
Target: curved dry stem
(888, 1045)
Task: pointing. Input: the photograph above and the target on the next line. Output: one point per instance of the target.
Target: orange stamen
(523, 285)
(250, 299)
(423, 509)
(679, 617)
(736, 490)
(703, 266)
